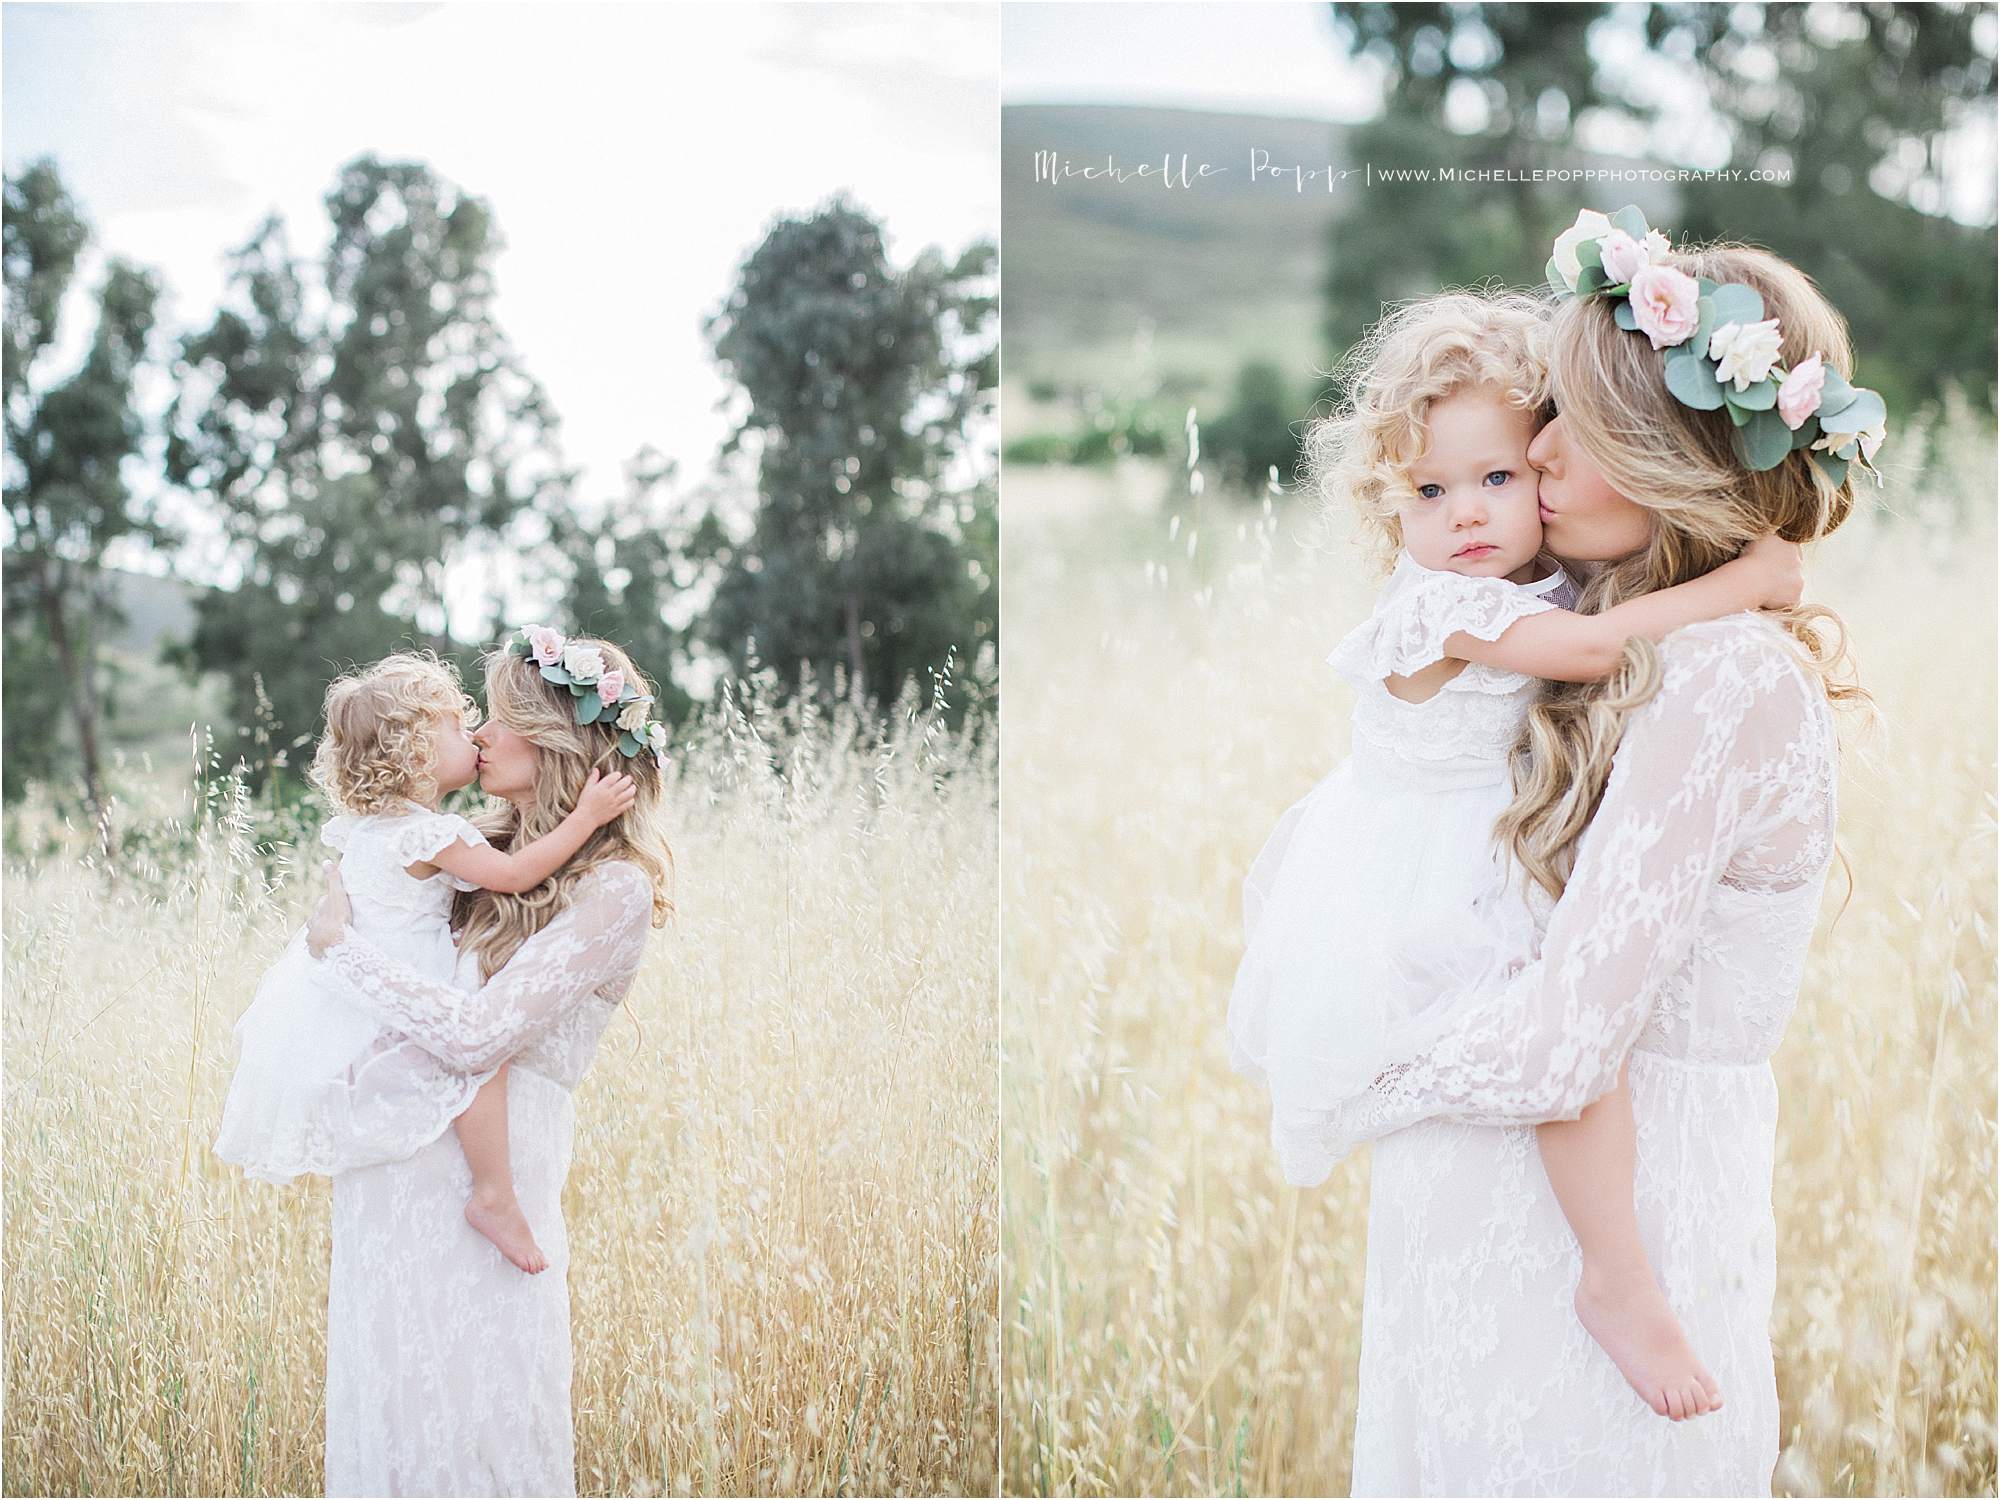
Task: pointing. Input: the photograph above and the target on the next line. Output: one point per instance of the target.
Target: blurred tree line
(1862, 104)
(1857, 102)
(358, 429)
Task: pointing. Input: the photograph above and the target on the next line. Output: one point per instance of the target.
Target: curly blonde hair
(1705, 505)
(494, 924)
(1418, 354)
(382, 724)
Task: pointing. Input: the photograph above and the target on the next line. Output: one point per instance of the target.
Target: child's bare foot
(1628, 1316)
(500, 1219)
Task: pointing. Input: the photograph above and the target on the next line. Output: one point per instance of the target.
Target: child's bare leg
(1591, 1164)
(493, 1209)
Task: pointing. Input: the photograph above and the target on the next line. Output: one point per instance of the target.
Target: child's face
(457, 757)
(1475, 507)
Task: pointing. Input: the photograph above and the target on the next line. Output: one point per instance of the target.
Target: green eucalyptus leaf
(1835, 395)
(628, 744)
(1806, 436)
(1737, 303)
(1590, 253)
(1764, 441)
(1737, 414)
(1834, 468)
(556, 675)
(1691, 378)
(588, 708)
(1623, 316)
(1865, 410)
(1762, 395)
(1591, 279)
(1555, 277)
(1631, 220)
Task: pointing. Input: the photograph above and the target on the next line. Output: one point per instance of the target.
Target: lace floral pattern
(1681, 940)
(448, 1371)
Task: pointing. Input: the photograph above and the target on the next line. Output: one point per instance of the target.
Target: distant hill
(1226, 264)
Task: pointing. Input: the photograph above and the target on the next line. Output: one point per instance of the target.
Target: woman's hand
(1777, 571)
(329, 920)
(606, 797)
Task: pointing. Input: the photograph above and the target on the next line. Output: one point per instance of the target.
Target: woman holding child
(1571, 1250)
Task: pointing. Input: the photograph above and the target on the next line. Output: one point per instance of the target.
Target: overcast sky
(633, 154)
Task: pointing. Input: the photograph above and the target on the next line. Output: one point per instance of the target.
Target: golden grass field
(782, 1207)
(1176, 1320)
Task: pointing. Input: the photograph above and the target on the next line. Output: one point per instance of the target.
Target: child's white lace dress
(1387, 850)
(321, 1086)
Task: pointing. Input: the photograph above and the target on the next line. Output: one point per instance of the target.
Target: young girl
(319, 1087)
(1445, 397)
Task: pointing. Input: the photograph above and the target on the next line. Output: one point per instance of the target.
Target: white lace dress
(1680, 939)
(1396, 841)
(320, 1085)
(448, 1370)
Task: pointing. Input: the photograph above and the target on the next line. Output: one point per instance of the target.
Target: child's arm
(527, 867)
(1566, 647)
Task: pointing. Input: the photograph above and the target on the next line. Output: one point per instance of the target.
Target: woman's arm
(1723, 757)
(1566, 647)
(592, 942)
(514, 871)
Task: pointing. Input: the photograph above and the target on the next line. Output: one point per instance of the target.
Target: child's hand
(1777, 571)
(606, 797)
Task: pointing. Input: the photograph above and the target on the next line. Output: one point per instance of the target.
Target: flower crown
(1722, 350)
(601, 694)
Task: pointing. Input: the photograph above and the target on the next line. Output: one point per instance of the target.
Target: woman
(1704, 772)
(448, 1370)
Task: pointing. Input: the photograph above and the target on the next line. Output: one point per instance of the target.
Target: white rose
(1589, 225)
(633, 715)
(1871, 439)
(1656, 247)
(584, 663)
(1745, 351)
(656, 736)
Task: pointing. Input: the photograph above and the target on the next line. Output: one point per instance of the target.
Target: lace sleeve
(591, 947)
(1716, 774)
(1408, 629)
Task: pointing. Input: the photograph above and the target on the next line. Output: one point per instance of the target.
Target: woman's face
(506, 761)
(1583, 518)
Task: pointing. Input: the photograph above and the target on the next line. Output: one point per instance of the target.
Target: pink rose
(546, 643)
(610, 685)
(1663, 305)
(1622, 256)
(1799, 396)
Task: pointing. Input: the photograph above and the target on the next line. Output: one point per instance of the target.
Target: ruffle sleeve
(336, 832)
(1420, 611)
(422, 836)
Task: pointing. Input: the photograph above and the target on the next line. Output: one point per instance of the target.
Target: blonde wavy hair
(495, 924)
(382, 724)
(1416, 355)
(1705, 505)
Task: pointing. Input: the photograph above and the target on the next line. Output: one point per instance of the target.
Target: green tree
(1855, 101)
(67, 499)
(864, 388)
(1256, 434)
(359, 425)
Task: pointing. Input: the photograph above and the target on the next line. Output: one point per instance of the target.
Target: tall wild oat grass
(782, 1203)
(1176, 1320)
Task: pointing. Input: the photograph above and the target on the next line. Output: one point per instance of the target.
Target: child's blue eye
(1429, 491)
(1502, 475)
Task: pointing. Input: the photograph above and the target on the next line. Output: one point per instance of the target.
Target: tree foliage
(68, 502)
(861, 385)
(1856, 102)
(358, 426)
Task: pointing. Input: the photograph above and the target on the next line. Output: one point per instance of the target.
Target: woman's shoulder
(1742, 667)
(617, 883)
